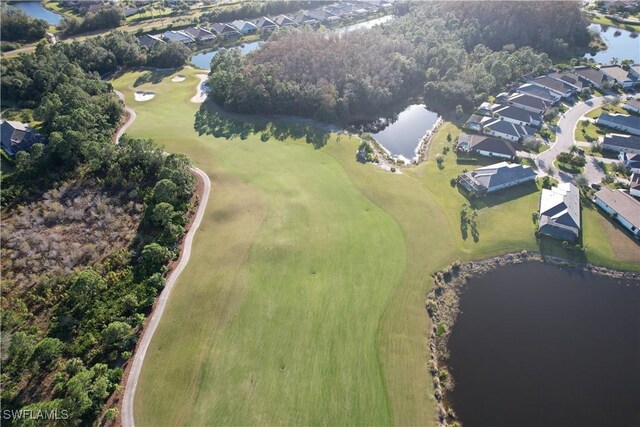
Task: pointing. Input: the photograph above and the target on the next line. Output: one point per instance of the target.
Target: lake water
(366, 24)
(621, 47)
(402, 136)
(539, 345)
(36, 10)
(203, 60)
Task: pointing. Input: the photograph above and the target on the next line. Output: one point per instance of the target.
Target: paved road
(185, 254)
(564, 141)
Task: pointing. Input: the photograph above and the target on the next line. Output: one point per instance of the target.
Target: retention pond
(541, 345)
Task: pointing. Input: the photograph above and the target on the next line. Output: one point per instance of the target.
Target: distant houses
(284, 21)
(17, 136)
(621, 143)
(244, 27)
(591, 76)
(619, 76)
(500, 176)
(266, 24)
(558, 87)
(620, 122)
(178, 36)
(519, 116)
(200, 34)
(507, 130)
(529, 103)
(149, 41)
(540, 92)
(621, 206)
(224, 30)
(560, 212)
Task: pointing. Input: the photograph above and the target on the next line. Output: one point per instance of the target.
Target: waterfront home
(621, 143)
(621, 206)
(149, 40)
(284, 21)
(621, 122)
(224, 30)
(486, 146)
(475, 122)
(500, 176)
(528, 102)
(632, 106)
(178, 36)
(618, 75)
(631, 160)
(200, 34)
(556, 86)
(560, 212)
(17, 136)
(266, 24)
(507, 130)
(634, 184)
(244, 27)
(539, 92)
(518, 116)
(571, 79)
(592, 76)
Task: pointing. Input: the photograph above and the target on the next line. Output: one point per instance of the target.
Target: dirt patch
(624, 248)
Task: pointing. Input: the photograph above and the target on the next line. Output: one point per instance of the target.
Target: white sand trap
(178, 78)
(201, 90)
(142, 96)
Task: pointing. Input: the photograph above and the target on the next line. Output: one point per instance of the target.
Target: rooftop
(508, 128)
(620, 120)
(591, 74)
(560, 208)
(529, 101)
(623, 203)
(492, 176)
(615, 72)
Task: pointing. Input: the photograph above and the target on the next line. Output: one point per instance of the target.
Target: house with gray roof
(621, 143)
(634, 70)
(149, 40)
(489, 179)
(200, 34)
(560, 212)
(622, 206)
(244, 27)
(518, 116)
(632, 106)
(321, 15)
(618, 75)
(634, 184)
(539, 92)
(224, 30)
(475, 122)
(553, 85)
(631, 161)
(302, 18)
(284, 21)
(507, 130)
(486, 146)
(571, 79)
(266, 24)
(592, 76)
(178, 36)
(528, 102)
(621, 122)
(17, 136)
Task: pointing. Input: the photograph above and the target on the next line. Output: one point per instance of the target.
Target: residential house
(149, 41)
(224, 30)
(17, 136)
(560, 212)
(129, 11)
(178, 36)
(634, 184)
(200, 34)
(244, 27)
(302, 18)
(632, 106)
(284, 21)
(540, 92)
(592, 76)
(571, 79)
(631, 161)
(338, 11)
(486, 146)
(618, 75)
(487, 108)
(622, 206)
(507, 130)
(496, 177)
(621, 143)
(266, 24)
(556, 86)
(321, 15)
(475, 122)
(528, 102)
(519, 116)
(621, 122)
(634, 71)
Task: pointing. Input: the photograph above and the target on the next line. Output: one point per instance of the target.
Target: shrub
(47, 350)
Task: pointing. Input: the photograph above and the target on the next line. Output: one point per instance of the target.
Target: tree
(459, 111)
(21, 348)
(162, 214)
(153, 257)
(117, 335)
(168, 55)
(165, 191)
(47, 351)
(18, 26)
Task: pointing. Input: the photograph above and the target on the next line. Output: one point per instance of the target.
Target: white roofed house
(560, 212)
(622, 206)
(499, 176)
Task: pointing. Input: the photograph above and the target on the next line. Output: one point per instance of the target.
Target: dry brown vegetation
(73, 225)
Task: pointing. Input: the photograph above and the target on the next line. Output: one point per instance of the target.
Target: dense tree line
(454, 55)
(249, 10)
(17, 26)
(103, 19)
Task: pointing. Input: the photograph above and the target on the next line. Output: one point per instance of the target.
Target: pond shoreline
(443, 306)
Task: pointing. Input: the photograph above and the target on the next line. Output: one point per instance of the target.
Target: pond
(621, 47)
(402, 136)
(203, 60)
(36, 10)
(540, 345)
(364, 25)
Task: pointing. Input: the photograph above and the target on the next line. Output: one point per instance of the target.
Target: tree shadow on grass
(211, 119)
(153, 76)
(499, 197)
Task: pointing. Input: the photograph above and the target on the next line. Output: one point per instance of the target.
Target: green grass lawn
(303, 302)
(592, 130)
(568, 168)
(615, 109)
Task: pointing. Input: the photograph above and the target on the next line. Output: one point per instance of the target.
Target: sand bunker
(142, 96)
(178, 78)
(201, 90)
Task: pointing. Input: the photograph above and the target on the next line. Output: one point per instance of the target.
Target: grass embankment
(303, 302)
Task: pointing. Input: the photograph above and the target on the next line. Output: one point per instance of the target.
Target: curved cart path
(143, 345)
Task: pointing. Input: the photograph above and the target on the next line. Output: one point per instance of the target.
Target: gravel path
(185, 254)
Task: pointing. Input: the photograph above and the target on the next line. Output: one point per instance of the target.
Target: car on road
(596, 186)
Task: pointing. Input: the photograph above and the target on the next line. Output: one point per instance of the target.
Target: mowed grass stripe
(300, 344)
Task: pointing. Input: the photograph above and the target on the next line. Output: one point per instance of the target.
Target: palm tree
(614, 61)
